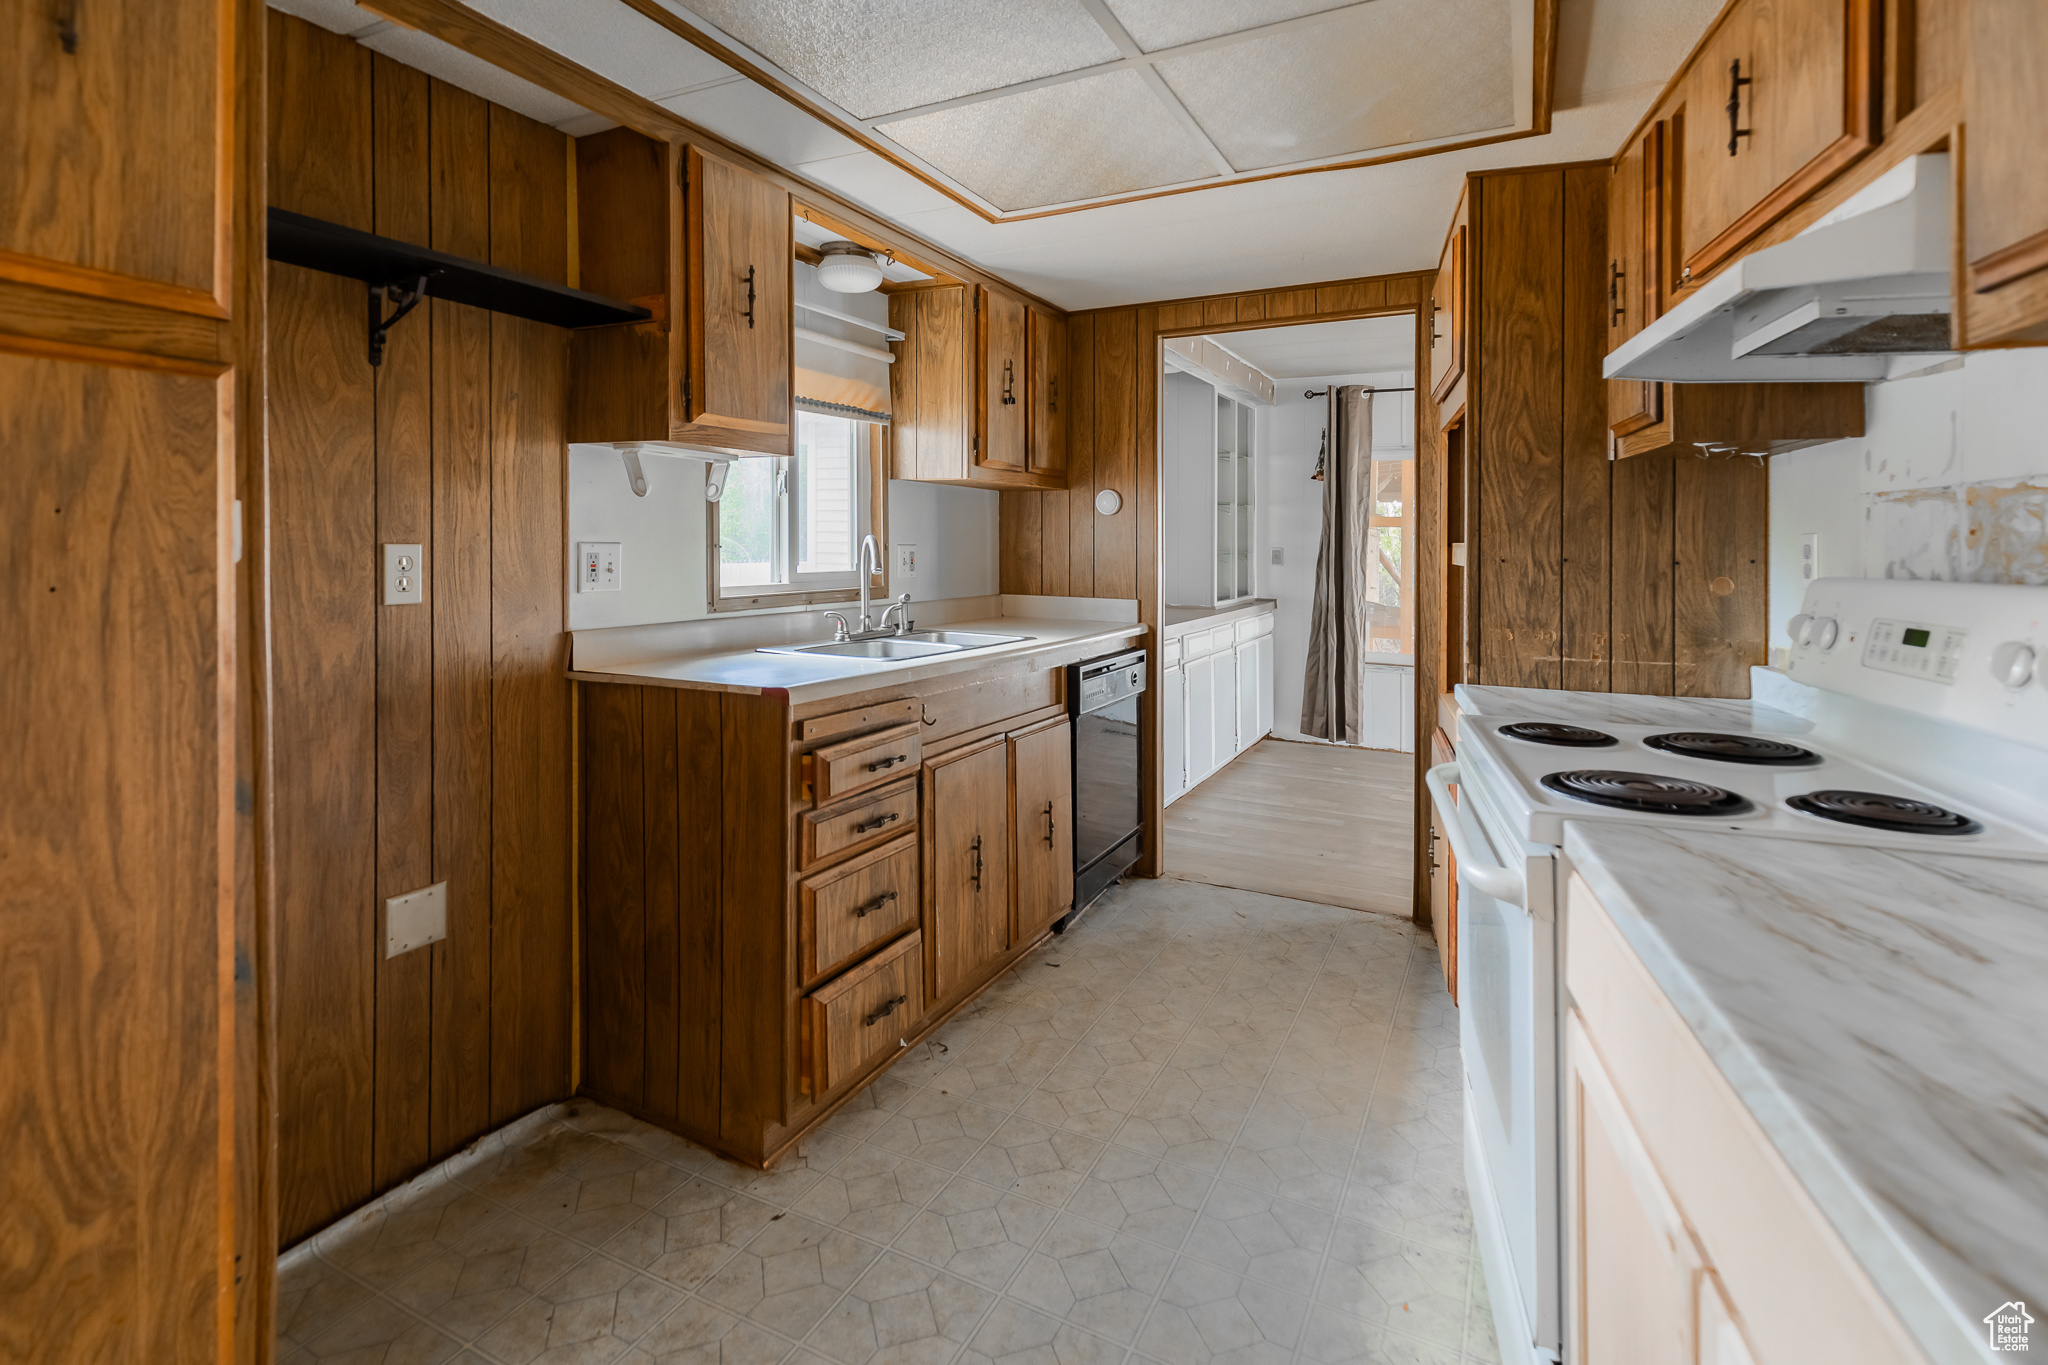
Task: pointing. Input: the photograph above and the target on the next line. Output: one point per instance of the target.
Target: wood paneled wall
(1058, 544)
(418, 743)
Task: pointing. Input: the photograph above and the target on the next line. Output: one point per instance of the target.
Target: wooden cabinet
(864, 1016)
(1042, 778)
(852, 765)
(856, 905)
(1051, 396)
(1447, 316)
(1634, 221)
(705, 244)
(1780, 97)
(962, 392)
(967, 860)
(2005, 173)
(121, 123)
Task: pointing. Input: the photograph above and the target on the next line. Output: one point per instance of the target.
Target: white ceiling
(1613, 57)
(1316, 349)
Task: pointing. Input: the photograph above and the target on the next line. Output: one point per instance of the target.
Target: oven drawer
(859, 824)
(864, 1015)
(855, 764)
(856, 905)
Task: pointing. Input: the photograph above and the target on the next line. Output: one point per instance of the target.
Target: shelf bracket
(406, 296)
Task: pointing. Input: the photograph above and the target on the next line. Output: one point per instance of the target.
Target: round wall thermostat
(1109, 502)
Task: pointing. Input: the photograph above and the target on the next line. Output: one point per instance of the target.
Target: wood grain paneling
(1021, 553)
(1079, 497)
(1583, 565)
(756, 956)
(1118, 377)
(1719, 590)
(700, 851)
(1641, 604)
(661, 815)
(616, 894)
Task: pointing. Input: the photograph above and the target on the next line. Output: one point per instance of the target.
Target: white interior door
(1173, 712)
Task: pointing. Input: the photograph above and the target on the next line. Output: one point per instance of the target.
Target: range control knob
(2012, 663)
(1826, 632)
(1799, 627)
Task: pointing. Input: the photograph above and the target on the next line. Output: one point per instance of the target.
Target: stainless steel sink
(963, 639)
(917, 644)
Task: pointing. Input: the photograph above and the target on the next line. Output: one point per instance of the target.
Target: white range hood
(1844, 300)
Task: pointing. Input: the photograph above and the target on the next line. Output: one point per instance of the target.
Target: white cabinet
(1201, 727)
(1264, 646)
(1208, 494)
(1173, 721)
(1248, 695)
(1224, 716)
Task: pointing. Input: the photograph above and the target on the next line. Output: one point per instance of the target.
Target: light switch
(906, 561)
(1279, 555)
(599, 566)
(415, 919)
(1809, 556)
(404, 575)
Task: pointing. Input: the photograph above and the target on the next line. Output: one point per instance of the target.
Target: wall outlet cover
(415, 919)
(1279, 555)
(599, 566)
(404, 575)
(1809, 556)
(906, 561)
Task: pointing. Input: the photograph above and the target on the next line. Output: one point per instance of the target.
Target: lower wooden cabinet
(864, 1015)
(847, 910)
(1041, 774)
(967, 857)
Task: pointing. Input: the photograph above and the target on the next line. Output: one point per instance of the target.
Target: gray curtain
(1333, 690)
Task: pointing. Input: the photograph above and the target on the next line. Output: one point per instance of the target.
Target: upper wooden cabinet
(2005, 172)
(1447, 315)
(705, 244)
(967, 406)
(1780, 97)
(1633, 220)
(117, 185)
(1046, 430)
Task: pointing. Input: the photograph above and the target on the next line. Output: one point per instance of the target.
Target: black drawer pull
(977, 862)
(884, 1010)
(882, 764)
(870, 826)
(869, 908)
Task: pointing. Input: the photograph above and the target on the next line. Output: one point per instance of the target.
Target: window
(1389, 564)
(789, 530)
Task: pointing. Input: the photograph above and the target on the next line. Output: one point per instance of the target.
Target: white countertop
(1180, 620)
(1622, 708)
(1054, 642)
(1885, 1018)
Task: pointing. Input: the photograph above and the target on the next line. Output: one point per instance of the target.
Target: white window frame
(801, 589)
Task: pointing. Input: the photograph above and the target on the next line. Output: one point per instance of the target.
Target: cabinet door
(1223, 713)
(1264, 645)
(1778, 100)
(1632, 224)
(1447, 316)
(1047, 344)
(967, 857)
(1634, 1259)
(738, 299)
(1042, 771)
(1248, 694)
(932, 385)
(121, 150)
(1173, 724)
(1201, 724)
(1003, 383)
(2005, 231)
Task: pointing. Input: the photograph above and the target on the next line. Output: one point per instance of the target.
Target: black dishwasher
(1109, 812)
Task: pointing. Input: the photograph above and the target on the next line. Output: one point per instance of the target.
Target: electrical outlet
(404, 570)
(1279, 555)
(415, 919)
(598, 566)
(906, 561)
(1809, 556)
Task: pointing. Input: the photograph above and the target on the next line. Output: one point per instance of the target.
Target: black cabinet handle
(869, 908)
(1614, 283)
(1052, 387)
(1050, 824)
(1736, 80)
(885, 1009)
(1434, 335)
(1009, 383)
(881, 764)
(750, 298)
(977, 862)
(876, 823)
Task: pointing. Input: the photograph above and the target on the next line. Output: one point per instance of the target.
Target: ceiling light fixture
(848, 268)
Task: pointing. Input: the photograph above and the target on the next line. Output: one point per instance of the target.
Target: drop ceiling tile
(1156, 24)
(614, 40)
(874, 59)
(761, 121)
(1380, 75)
(1100, 135)
(479, 77)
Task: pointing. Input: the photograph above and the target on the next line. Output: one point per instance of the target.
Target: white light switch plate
(906, 561)
(1279, 555)
(599, 566)
(404, 575)
(415, 919)
(1809, 556)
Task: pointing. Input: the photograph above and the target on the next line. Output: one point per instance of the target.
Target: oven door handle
(1498, 882)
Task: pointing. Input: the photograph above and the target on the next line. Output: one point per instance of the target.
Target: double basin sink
(917, 644)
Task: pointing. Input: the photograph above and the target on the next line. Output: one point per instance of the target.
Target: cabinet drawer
(858, 824)
(864, 1015)
(856, 905)
(990, 698)
(1170, 652)
(869, 760)
(1250, 630)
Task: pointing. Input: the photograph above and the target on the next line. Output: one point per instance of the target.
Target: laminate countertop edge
(1648, 879)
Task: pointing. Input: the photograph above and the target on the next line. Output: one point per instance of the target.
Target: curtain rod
(1318, 393)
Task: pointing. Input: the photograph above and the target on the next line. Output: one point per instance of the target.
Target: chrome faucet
(902, 607)
(839, 631)
(870, 564)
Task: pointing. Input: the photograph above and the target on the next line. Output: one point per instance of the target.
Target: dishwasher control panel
(1106, 681)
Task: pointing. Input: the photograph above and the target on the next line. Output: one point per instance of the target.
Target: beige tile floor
(1205, 1125)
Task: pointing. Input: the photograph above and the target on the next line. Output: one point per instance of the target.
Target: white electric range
(1908, 716)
